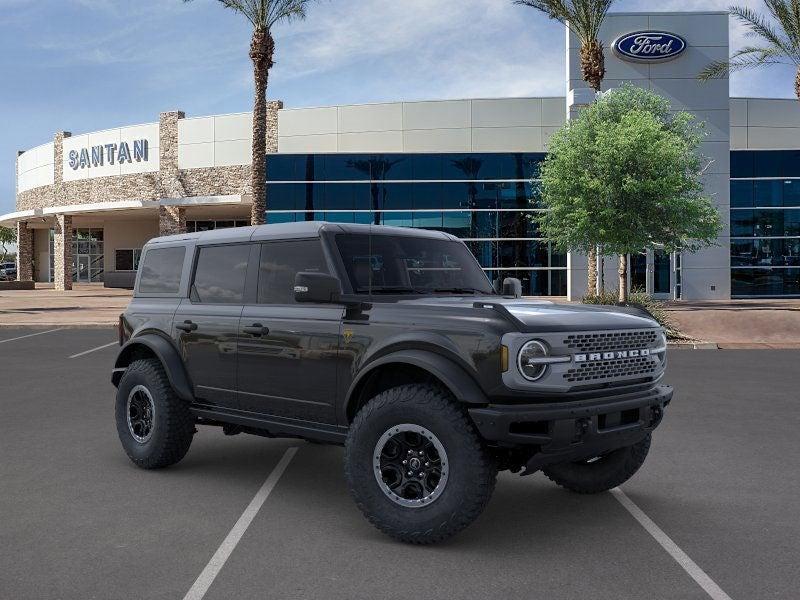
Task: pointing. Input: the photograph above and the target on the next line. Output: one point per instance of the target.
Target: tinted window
(742, 164)
(161, 271)
(407, 264)
(220, 274)
(280, 262)
(741, 194)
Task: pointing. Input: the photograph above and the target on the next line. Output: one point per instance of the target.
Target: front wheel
(600, 473)
(415, 466)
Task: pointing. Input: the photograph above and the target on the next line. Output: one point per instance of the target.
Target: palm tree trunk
(262, 48)
(591, 276)
(623, 278)
(797, 84)
(593, 70)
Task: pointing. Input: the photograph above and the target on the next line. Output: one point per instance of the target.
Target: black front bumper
(568, 431)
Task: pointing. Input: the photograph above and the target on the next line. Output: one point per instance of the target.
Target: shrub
(640, 299)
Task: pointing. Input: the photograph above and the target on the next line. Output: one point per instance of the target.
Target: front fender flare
(454, 377)
(166, 353)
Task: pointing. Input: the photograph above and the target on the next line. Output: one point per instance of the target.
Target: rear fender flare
(166, 353)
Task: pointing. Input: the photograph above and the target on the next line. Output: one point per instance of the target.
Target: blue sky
(84, 65)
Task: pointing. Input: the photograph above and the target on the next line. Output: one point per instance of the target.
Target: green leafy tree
(626, 175)
(778, 40)
(8, 236)
(263, 15)
(584, 19)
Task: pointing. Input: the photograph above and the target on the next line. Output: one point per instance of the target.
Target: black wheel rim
(140, 412)
(410, 465)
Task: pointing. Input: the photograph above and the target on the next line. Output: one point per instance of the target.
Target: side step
(273, 425)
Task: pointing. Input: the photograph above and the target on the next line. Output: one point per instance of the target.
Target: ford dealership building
(87, 203)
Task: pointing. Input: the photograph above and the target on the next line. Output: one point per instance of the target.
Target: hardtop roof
(300, 229)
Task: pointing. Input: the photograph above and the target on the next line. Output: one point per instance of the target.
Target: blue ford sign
(649, 46)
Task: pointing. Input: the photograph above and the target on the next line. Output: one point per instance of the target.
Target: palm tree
(263, 15)
(780, 42)
(584, 19)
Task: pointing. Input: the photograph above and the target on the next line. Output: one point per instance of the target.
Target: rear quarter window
(161, 270)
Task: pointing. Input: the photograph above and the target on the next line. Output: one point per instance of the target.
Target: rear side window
(280, 262)
(220, 274)
(161, 270)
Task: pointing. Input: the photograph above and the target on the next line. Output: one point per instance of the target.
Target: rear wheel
(154, 426)
(600, 473)
(415, 466)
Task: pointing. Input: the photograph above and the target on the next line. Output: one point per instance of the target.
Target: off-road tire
(173, 424)
(472, 471)
(607, 472)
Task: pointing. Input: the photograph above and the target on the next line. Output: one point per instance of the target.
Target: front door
(83, 269)
(662, 270)
(288, 352)
(207, 323)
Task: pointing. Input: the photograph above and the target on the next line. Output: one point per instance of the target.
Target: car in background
(8, 271)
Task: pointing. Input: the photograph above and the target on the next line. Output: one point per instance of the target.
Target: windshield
(388, 264)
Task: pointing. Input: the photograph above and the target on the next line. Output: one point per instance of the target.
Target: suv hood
(540, 315)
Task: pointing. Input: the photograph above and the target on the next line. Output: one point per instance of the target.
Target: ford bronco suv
(393, 343)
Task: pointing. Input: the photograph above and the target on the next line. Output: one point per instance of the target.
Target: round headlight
(527, 363)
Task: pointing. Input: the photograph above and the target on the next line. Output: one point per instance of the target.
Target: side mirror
(320, 288)
(512, 287)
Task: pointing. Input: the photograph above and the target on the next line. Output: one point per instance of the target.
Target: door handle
(256, 329)
(187, 326)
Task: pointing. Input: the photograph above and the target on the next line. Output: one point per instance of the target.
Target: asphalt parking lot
(78, 520)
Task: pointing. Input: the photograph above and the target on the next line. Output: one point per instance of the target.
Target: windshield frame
(409, 292)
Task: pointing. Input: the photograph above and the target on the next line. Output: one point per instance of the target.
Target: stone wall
(171, 220)
(217, 181)
(62, 250)
(24, 252)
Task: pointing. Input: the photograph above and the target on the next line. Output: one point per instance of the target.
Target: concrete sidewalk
(740, 323)
(87, 305)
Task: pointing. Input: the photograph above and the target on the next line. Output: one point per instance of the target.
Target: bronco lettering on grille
(611, 355)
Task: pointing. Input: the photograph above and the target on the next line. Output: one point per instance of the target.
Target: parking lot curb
(694, 345)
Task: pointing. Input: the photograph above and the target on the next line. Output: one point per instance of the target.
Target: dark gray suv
(393, 343)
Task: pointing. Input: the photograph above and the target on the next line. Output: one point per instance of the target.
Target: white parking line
(93, 350)
(688, 565)
(206, 578)
(22, 337)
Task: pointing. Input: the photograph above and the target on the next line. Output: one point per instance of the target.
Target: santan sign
(97, 156)
(649, 46)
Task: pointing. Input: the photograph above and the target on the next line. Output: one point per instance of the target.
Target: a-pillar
(24, 252)
(171, 219)
(62, 251)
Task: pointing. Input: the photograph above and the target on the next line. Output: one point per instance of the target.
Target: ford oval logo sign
(649, 46)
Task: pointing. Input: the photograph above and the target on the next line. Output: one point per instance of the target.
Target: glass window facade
(765, 223)
(486, 199)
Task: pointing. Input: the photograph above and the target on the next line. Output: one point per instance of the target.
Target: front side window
(387, 264)
(280, 262)
(161, 271)
(220, 274)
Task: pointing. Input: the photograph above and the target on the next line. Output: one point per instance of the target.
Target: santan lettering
(644, 44)
(97, 156)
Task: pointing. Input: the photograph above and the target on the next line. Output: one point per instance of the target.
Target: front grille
(618, 368)
(614, 340)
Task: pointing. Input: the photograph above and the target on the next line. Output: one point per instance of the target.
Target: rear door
(288, 351)
(207, 323)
